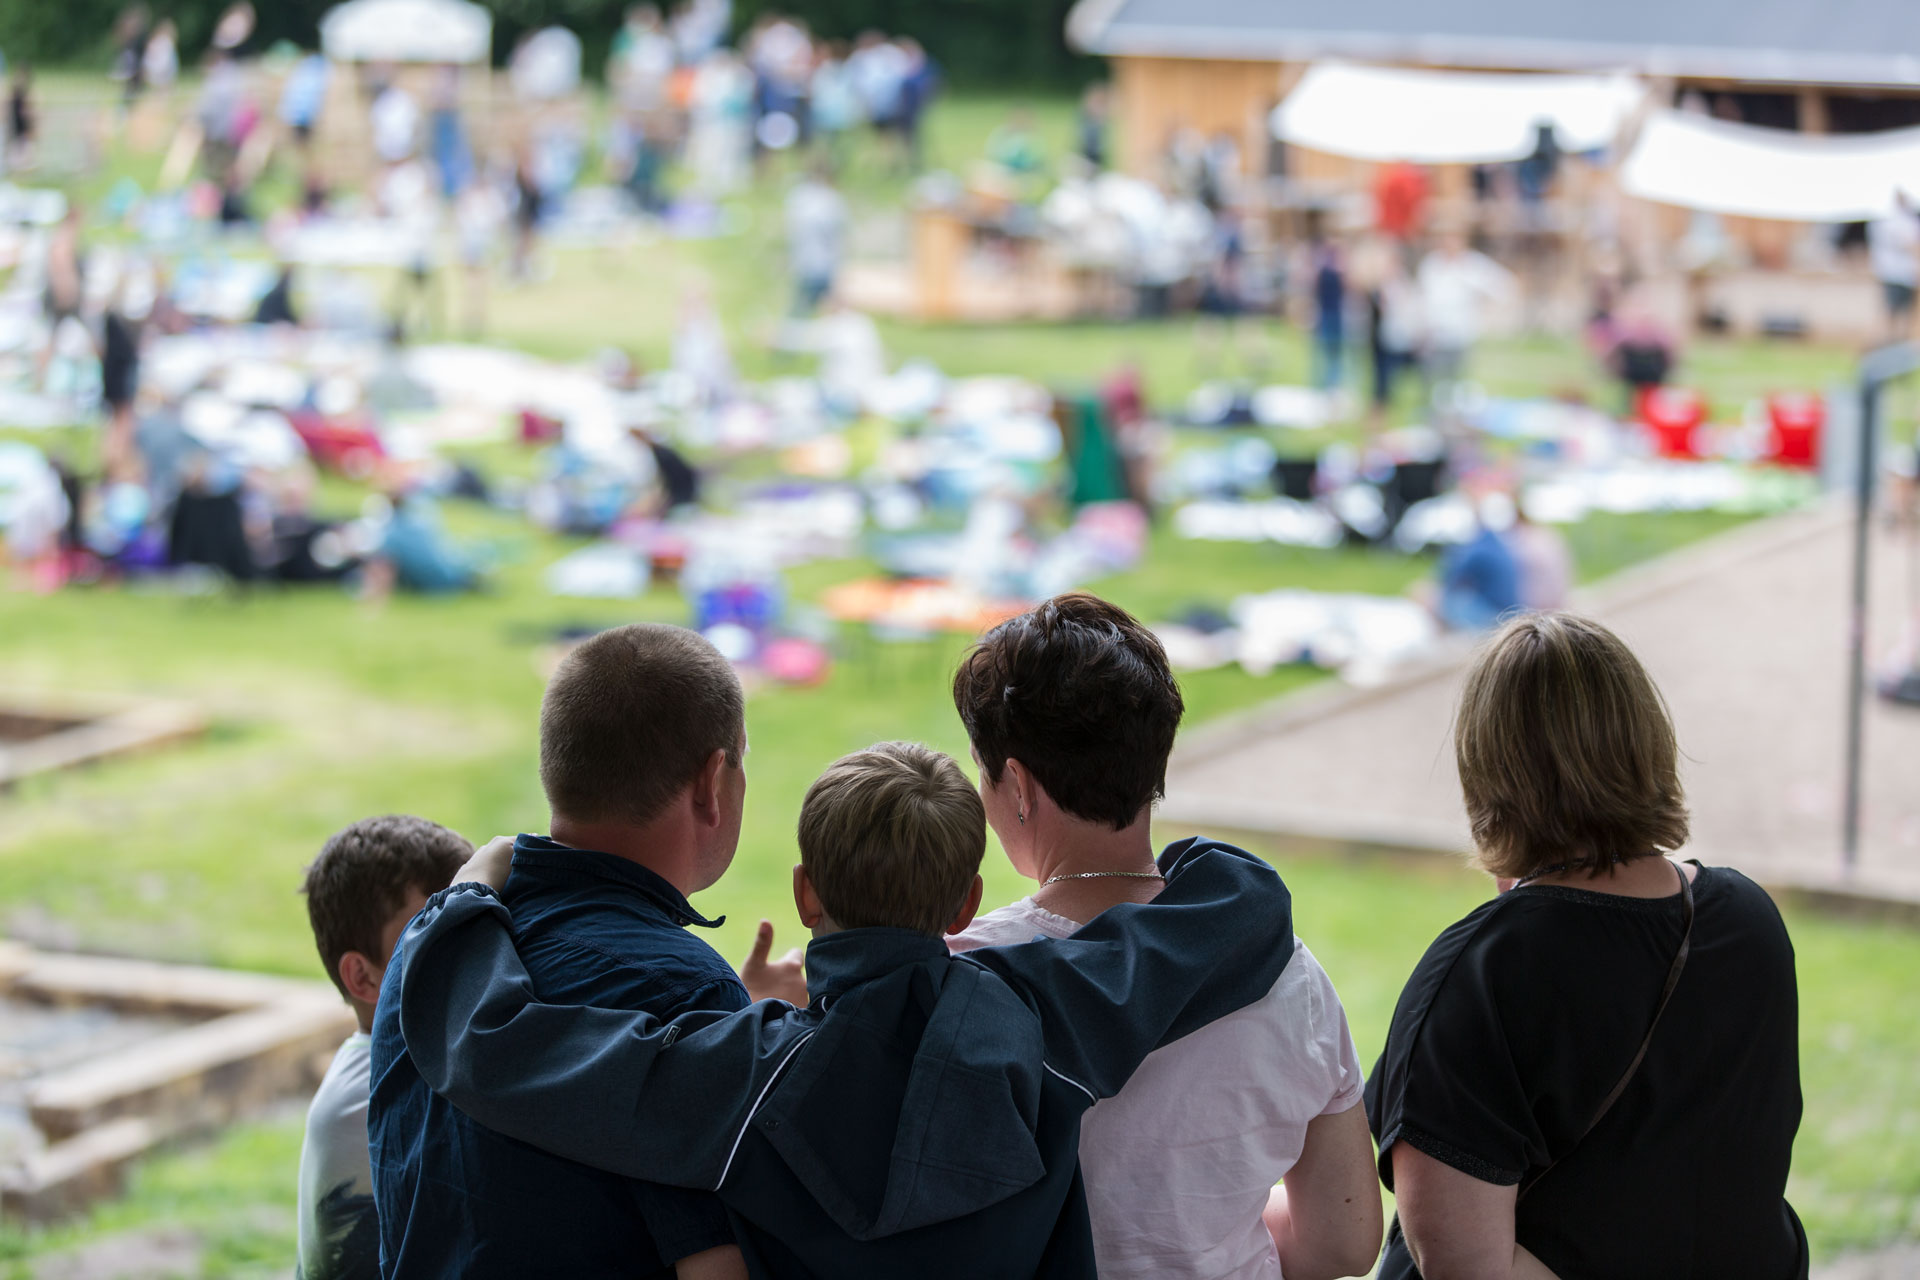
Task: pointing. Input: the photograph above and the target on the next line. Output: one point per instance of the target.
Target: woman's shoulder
(1518, 933)
(1501, 922)
(1735, 904)
(1502, 940)
(1736, 888)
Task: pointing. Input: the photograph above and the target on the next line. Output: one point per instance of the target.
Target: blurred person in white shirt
(642, 60)
(816, 217)
(395, 123)
(1458, 286)
(1893, 247)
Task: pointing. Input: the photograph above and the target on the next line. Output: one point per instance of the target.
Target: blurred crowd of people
(1391, 289)
(680, 92)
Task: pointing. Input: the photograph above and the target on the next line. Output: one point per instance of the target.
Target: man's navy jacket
(458, 1200)
(920, 1118)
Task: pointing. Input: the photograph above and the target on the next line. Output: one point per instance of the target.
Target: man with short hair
(368, 881)
(642, 735)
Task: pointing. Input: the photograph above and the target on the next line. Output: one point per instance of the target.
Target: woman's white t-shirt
(1178, 1165)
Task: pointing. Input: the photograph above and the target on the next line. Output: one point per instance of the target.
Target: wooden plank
(265, 1038)
(69, 1175)
(14, 961)
(198, 1076)
(130, 729)
(144, 986)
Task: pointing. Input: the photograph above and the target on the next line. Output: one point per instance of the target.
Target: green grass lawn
(325, 710)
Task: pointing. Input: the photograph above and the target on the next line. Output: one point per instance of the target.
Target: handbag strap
(1646, 1042)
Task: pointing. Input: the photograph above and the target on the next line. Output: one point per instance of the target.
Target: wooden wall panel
(1156, 96)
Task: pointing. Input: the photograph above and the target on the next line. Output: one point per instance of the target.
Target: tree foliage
(975, 41)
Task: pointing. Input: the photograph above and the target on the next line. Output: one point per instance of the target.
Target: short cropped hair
(1565, 750)
(363, 876)
(892, 837)
(1079, 691)
(631, 717)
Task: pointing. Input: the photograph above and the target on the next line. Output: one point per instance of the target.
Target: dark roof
(1858, 42)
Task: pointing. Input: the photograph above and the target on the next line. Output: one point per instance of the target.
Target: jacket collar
(844, 960)
(550, 862)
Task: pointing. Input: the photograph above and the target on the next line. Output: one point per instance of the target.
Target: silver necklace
(1102, 875)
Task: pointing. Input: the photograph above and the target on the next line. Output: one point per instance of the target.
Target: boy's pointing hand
(766, 979)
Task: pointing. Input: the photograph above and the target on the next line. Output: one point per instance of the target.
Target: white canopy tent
(450, 31)
(1722, 167)
(1449, 117)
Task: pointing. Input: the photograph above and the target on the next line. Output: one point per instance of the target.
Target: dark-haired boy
(368, 881)
(920, 1117)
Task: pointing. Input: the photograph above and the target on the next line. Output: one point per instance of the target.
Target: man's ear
(361, 977)
(706, 789)
(970, 907)
(805, 900)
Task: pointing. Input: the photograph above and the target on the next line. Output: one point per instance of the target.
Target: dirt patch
(1899, 1262)
(161, 1253)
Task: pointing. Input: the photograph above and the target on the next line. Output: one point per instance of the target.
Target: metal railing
(1881, 366)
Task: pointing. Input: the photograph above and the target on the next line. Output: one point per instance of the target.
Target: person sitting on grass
(921, 1116)
(368, 881)
(1479, 580)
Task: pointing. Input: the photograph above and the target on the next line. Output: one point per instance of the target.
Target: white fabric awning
(407, 31)
(1449, 117)
(1723, 167)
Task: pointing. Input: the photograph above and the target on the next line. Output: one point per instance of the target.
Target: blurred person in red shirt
(1400, 199)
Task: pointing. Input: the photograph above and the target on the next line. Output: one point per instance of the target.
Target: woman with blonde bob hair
(1596, 1073)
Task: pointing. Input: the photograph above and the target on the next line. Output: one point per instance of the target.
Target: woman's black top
(1523, 1016)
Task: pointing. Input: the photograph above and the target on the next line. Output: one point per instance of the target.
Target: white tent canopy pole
(1450, 117)
(1722, 167)
(451, 31)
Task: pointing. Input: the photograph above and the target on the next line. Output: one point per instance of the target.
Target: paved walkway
(1746, 635)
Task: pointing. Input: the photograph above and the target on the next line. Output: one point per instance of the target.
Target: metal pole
(1857, 630)
(1880, 367)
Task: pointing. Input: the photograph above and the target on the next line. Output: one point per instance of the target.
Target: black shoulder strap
(1666, 995)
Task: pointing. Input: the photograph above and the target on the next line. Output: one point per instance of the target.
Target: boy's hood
(918, 1098)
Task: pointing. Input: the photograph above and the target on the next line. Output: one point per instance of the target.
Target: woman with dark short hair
(1072, 712)
(1596, 1074)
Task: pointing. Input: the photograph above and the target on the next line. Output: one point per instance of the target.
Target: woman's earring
(1023, 817)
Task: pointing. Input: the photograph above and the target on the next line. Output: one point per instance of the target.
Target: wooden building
(1221, 65)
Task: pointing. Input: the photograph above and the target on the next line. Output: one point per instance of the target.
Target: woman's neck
(1646, 877)
(1093, 867)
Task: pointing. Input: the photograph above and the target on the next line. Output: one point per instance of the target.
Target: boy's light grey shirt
(338, 1232)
